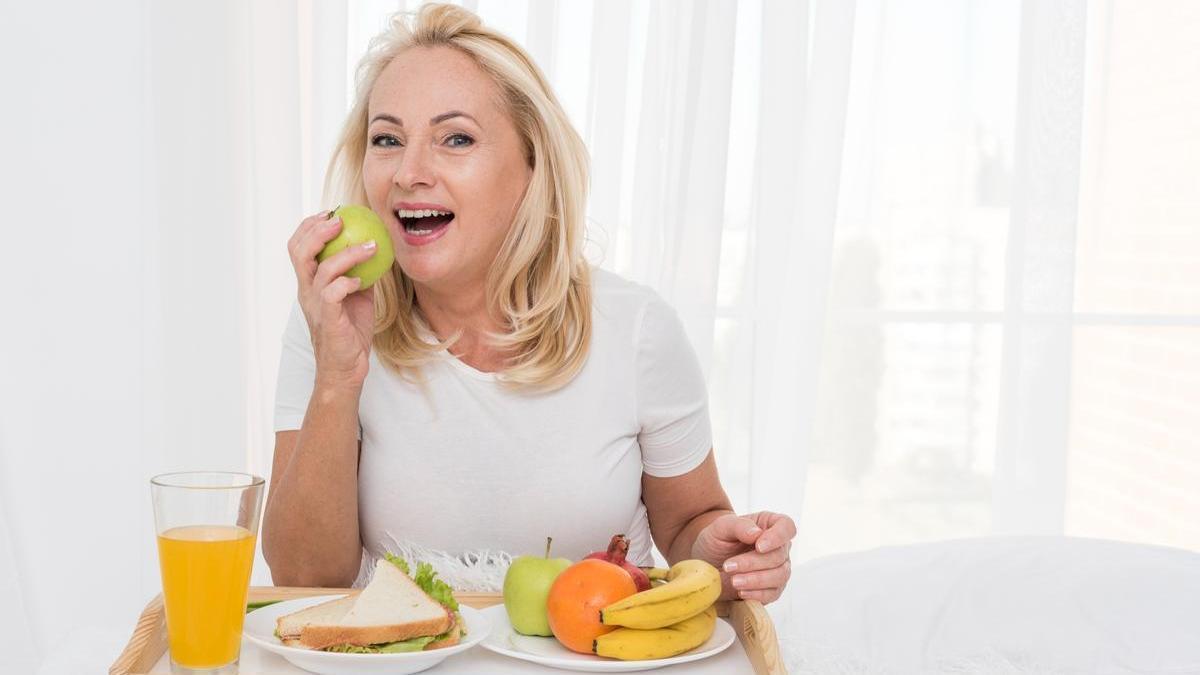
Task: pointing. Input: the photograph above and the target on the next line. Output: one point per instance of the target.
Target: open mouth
(425, 222)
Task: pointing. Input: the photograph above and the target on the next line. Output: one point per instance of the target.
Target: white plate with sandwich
(395, 625)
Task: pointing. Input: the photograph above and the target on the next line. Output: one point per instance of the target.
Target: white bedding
(998, 605)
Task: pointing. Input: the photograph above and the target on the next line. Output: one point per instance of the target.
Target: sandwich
(393, 613)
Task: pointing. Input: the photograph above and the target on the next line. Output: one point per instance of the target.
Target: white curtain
(940, 260)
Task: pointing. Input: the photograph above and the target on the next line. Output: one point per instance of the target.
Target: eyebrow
(436, 119)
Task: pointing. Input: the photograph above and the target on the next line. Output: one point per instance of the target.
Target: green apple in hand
(360, 225)
(526, 586)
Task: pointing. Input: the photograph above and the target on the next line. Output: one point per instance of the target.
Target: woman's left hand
(752, 552)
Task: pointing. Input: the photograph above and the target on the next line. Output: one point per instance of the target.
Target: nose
(415, 168)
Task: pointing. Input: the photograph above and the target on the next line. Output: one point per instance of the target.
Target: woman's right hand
(340, 320)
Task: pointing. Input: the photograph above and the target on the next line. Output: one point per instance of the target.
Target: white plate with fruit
(548, 652)
(604, 615)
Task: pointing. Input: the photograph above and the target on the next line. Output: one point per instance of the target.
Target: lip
(419, 206)
(422, 240)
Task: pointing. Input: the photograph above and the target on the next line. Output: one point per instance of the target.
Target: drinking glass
(207, 525)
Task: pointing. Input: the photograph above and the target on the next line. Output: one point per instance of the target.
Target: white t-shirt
(466, 473)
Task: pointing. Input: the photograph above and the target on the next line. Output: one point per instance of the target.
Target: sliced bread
(288, 627)
(391, 608)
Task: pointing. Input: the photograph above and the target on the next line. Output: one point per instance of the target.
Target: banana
(692, 586)
(656, 573)
(630, 644)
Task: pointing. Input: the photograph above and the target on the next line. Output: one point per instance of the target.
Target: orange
(576, 598)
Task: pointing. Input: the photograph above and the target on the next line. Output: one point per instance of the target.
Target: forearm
(681, 547)
(310, 527)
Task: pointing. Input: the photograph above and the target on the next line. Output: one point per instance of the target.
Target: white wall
(74, 375)
(126, 329)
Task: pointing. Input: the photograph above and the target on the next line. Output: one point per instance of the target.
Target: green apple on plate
(360, 225)
(526, 586)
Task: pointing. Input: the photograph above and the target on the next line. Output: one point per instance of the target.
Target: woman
(493, 390)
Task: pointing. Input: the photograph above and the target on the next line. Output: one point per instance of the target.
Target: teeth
(420, 213)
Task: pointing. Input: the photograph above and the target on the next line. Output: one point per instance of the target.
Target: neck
(461, 311)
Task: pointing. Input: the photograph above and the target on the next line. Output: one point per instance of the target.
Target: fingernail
(333, 223)
(754, 530)
(730, 565)
(763, 544)
(369, 246)
(738, 582)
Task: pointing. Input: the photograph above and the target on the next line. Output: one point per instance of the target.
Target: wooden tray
(149, 640)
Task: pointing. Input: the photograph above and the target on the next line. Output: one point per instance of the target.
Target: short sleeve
(297, 374)
(672, 400)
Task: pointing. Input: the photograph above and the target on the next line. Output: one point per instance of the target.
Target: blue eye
(459, 140)
(385, 140)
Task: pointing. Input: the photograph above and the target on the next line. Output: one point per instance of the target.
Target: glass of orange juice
(207, 524)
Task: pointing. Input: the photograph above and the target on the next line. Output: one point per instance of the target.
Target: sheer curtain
(939, 260)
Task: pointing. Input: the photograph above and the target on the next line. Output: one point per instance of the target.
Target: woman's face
(440, 140)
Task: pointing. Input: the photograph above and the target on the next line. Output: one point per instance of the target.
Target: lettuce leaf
(413, 645)
(251, 606)
(398, 562)
(427, 579)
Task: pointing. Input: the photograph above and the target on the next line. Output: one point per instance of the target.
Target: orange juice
(205, 577)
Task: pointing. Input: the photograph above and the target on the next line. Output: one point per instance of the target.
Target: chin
(423, 271)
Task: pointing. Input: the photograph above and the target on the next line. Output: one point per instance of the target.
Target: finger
(340, 263)
(778, 529)
(736, 529)
(776, 577)
(360, 305)
(337, 290)
(310, 238)
(303, 228)
(308, 226)
(317, 219)
(320, 235)
(751, 561)
(764, 596)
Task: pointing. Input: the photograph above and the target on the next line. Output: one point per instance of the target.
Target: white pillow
(999, 604)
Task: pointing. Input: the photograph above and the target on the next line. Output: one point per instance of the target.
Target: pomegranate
(618, 547)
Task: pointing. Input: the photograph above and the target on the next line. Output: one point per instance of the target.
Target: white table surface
(254, 660)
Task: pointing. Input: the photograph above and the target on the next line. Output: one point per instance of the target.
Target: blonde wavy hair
(539, 286)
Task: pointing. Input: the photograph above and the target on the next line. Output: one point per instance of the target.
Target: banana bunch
(692, 585)
(666, 620)
(635, 644)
